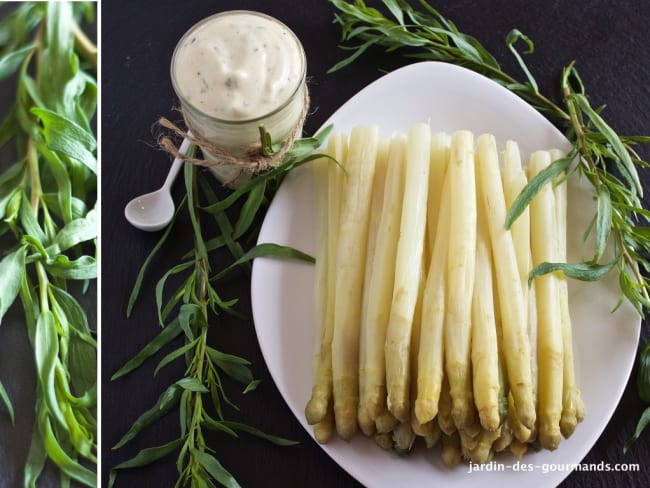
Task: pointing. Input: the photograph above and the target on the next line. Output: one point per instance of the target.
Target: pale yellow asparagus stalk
(385, 422)
(439, 160)
(408, 267)
(485, 353)
(573, 409)
(460, 277)
(516, 345)
(468, 442)
(324, 430)
(482, 452)
(434, 436)
(519, 430)
(320, 184)
(504, 439)
(430, 354)
(423, 430)
(451, 450)
(350, 259)
(445, 421)
(321, 397)
(380, 286)
(518, 448)
(543, 226)
(366, 423)
(504, 389)
(420, 429)
(514, 180)
(384, 440)
(403, 437)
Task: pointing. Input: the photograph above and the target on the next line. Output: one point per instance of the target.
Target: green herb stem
(85, 46)
(42, 287)
(34, 176)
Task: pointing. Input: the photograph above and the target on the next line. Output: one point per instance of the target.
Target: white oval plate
(449, 98)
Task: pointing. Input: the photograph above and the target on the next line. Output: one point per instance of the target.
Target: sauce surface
(238, 66)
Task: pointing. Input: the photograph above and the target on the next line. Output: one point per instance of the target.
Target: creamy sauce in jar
(238, 66)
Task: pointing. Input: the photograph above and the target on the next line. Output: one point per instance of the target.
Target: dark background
(608, 39)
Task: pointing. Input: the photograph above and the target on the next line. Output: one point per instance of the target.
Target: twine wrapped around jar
(252, 160)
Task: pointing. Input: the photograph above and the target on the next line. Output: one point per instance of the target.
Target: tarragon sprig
(608, 161)
(195, 305)
(47, 200)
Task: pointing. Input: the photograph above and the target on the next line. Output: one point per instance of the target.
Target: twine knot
(250, 160)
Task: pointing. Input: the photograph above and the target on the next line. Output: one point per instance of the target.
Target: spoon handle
(176, 166)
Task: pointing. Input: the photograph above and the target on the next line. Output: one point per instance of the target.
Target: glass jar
(234, 72)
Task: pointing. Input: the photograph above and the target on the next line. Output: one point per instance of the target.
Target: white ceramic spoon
(153, 211)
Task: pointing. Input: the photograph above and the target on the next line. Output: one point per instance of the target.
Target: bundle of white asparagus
(427, 325)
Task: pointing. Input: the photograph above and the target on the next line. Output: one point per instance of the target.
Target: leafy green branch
(47, 200)
(192, 309)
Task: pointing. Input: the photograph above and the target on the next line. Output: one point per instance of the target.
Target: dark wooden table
(608, 41)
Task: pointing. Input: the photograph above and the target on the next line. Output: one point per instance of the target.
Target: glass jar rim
(226, 13)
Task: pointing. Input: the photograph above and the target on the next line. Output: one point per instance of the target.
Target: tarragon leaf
(4, 396)
(75, 232)
(11, 61)
(265, 249)
(215, 468)
(164, 337)
(279, 441)
(82, 268)
(144, 458)
(533, 187)
(66, 137)
(162, 407)
(578, 271)
(12, 268)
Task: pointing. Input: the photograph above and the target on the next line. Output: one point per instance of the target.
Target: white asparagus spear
(408, 267)
(385, 422)
(460, 277)
(451, 449)
(504, 439)
(430, 355)
(514, 180)
(485, 353)
(417, 427)
(321, 397)
(519, 430)
(366, 423)
(433, 437)
(380, 286)
(483, 452)
(543, 226)
(573, 409)
(350, 260)
(321, 289)
(445, 421)
(516, 345)
(439, 160)
(324, 430)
